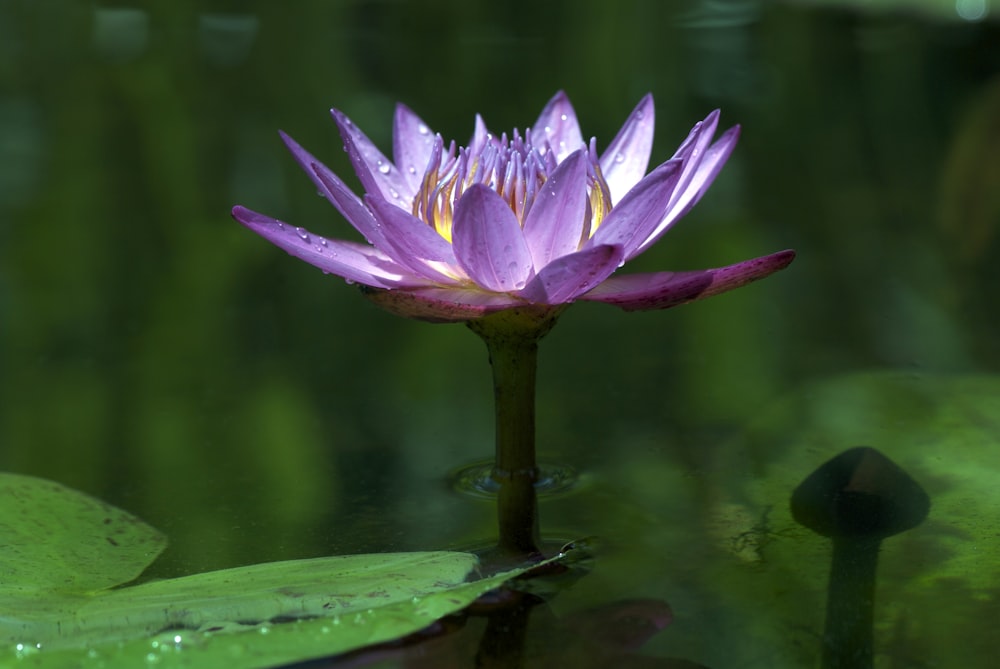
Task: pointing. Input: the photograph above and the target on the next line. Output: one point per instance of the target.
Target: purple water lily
(537, 220)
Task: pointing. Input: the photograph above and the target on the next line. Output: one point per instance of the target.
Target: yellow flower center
(514, 169)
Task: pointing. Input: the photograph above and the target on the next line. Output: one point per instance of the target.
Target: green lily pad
(937, 594)
(56, 538)
(262, 615)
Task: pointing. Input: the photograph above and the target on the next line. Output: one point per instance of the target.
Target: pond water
(159, 356)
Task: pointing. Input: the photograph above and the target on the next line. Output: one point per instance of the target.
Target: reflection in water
(152, 356)
(22, 151)
(120, 34)
(226, 39)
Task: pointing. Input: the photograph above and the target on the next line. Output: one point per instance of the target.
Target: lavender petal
(661, 290)
(633, 219)
(559, 125)
(554, 223)
(488, 241)
(568, 277)
(412, 144)
(351, 261)
(376, 172)
(625, 160)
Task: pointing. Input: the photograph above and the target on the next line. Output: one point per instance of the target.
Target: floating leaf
(62, 551)
(411, 596)
(56, 538)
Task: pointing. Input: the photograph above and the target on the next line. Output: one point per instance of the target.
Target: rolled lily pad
(263, 615)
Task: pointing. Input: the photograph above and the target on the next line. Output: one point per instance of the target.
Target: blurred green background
(157, 355)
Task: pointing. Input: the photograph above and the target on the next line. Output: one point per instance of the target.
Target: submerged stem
(512, 341)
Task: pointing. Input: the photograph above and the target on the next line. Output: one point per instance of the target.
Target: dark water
(156, 354)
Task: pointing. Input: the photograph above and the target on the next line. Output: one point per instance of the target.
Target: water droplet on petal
(411, 169)
(322, 240)
(302, 233)
(281, 226)
(423, 129)
(640, 113)
(563, 117)
(394, 193)
(384, 168)
(619, 158)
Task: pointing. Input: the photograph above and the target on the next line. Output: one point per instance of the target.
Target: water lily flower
(530, 221)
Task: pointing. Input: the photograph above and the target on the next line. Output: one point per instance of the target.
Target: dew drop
(411, 169)
(394, 193)
(322, 240)
(619, 158)
(640, 113)
(563, 117)
(281, 226)
(302, 233)
(384, 167)
(423, 129)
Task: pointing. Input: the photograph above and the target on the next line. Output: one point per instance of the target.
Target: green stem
(512, 341)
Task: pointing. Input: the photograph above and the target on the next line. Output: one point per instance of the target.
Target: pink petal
(376, 172)
(568, 277)
(554, 224)
(354, 262)
(488, 241)
(699, 137)
(660, 290)
(558, 124)
(698, 176)
(625, 160)
(334, 190)
(442, 305)
(413, 240)
(480, 135)
(633, 219)
(412, 143)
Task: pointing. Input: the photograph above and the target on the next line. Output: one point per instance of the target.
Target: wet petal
(698, 176)
(354, 262)
(376, 172)
(480, 135)
(554, 224)
(559, 125)
(412, 143)
(660, 290)
(413, 240)
(442, 305)
(633, 219)
(335, 191)
(488, 241)
(568, 277)
(625, 160)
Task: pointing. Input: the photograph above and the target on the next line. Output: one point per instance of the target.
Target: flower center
(514, 168)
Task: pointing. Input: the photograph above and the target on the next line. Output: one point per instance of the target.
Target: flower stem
(512, 341)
